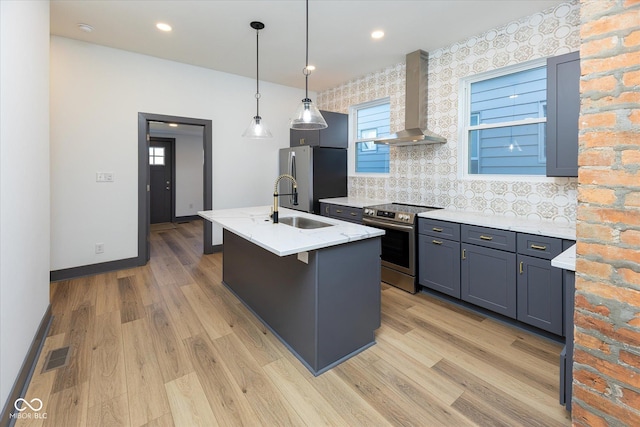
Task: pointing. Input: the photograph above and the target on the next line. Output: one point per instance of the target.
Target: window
(368, 122)
(156, 156)
(504, 121)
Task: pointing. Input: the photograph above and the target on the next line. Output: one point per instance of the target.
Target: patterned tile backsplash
(428, 174)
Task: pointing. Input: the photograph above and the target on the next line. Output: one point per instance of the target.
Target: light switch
(104, 177)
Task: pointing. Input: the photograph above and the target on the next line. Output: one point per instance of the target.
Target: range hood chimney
(415, 107)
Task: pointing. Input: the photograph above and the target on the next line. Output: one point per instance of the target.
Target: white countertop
(354, 202)
(501, 222)
(254, 224)
(566, 260)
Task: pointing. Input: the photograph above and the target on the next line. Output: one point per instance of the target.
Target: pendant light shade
(307, 116)
(257, 128)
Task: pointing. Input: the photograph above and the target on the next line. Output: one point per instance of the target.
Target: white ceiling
(216, 34)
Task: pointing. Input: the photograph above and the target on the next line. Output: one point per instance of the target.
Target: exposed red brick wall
(606, 387)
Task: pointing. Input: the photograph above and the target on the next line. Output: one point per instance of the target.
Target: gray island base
(324, 310)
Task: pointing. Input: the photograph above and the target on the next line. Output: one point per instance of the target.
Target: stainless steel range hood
(415, 107)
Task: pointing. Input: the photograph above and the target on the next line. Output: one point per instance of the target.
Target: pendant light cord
(257, 75)
(306, 66)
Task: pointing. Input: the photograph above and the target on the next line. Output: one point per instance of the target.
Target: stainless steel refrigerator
(320, 173)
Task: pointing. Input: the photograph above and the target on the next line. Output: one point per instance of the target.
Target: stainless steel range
(399, 255)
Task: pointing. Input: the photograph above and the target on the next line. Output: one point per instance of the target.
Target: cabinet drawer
(539, 246)
(489, 237)
(346, 213)
(440, 229)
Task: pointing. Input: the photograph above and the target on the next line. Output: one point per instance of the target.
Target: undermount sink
(302, 222)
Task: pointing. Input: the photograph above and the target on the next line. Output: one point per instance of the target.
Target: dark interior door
(161, 179)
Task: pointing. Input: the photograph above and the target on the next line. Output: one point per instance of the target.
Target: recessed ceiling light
(173, 125)
(378, 34)
(85, 27)
(163, 27)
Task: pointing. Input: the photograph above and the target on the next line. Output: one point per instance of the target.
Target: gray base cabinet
(324, 310)
(344, 213)
(566, 357)
(439, 265)
(540, 294)
(488, 279)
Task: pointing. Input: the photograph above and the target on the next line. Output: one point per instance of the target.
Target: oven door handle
(388, 225)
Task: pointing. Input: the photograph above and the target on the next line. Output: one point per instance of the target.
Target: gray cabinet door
(488, 279)
(563, 110)
(540, 294)
(439, 264)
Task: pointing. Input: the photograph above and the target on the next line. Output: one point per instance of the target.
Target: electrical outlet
(99, 248)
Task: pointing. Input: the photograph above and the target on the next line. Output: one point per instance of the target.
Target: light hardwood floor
(167, 344)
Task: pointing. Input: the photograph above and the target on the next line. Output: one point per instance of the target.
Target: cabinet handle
(538, 247)
(436, 242)
(464, 254)
(521, 267)
(354, 214)
(338, 211)
(326, 209)
(439, 230)
(486, 237)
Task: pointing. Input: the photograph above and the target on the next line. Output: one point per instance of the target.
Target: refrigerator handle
(292, 173)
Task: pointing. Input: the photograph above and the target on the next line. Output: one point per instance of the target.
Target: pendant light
(257, 128)
(307, 116)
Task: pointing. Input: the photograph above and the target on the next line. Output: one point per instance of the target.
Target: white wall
(96, 94)
(24, 181)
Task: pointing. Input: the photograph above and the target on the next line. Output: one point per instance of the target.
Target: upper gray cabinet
(563, 110)
(336, 135)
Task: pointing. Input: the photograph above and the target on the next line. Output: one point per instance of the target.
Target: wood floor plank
(79, 339)
(184, 319)
(212, 321)
(170, 351)
(107, 378)
(261, 393)
(164, 421)
(146, 286)
(145, 386)
(188, 404)
(68, 407)
(110, 413)
(439, 388)
(41, 383)
(131, 307)
(491, 404)
(308, 403)
(493, 374)
(107, 299)
(396, 408)
(225, 397)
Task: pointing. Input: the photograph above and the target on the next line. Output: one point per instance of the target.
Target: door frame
(144, 207)
(172, 144)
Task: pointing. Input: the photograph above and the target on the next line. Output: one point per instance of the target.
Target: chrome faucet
(274, 215)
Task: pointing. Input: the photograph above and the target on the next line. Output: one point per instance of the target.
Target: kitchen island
(317, 290)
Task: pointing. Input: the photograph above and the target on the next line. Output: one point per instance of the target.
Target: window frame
(464, 128)
(353, 129)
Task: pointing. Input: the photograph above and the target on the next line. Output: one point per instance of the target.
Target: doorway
(144, 179)
(161, 180)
